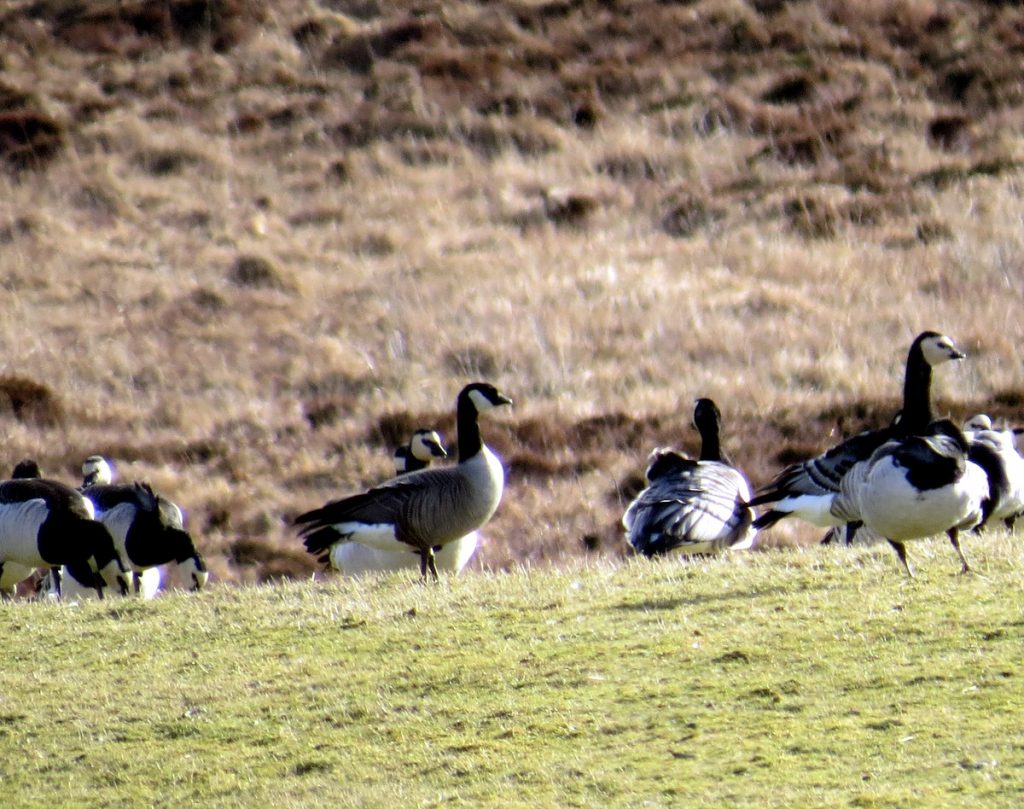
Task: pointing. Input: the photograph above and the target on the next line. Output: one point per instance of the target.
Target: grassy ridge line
(779, 679)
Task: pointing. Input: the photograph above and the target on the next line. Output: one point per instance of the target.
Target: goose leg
(954, 537)
(901, 552)
(851, 531)
(431, 564)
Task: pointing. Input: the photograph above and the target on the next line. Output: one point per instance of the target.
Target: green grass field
(787, 678)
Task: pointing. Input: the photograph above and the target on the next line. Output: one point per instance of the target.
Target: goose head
(937, 348)
(426, 445)
(96, 471)
(977, 423)
(26, 469)
(707, 418)
(664, 461)
(483, 396)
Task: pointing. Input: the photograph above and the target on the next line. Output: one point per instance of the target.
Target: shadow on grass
(714, 598)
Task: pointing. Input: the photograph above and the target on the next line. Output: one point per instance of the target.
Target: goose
(995, 451)
(354, 559)
(148, 528)
(807, 489)
(12, 573)
(692, 506)
(915, 487)
(424, 510)
(417, 454)
(45, 523)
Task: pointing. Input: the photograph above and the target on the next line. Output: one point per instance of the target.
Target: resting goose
(44, 523)
(995, 451)
(424, 510)
(692, 506)
(915, 487)
(807, 489)
(419, 452)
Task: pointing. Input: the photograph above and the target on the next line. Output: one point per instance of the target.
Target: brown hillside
(248, 246)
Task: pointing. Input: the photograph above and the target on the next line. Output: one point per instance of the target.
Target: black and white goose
(147, 528)
(44, 523)
(807, 489)
(420, 511)
(693, 507)
(995, 451)
(12, 574)
(916, 487)
(422, 449)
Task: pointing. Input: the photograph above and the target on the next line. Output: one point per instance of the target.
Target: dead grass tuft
(256, 272)
(29, 138)
(30, 402)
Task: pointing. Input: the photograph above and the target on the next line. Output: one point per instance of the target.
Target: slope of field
(788, 678)
(247, 247)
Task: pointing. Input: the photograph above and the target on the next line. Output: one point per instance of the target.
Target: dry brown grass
(243, 253)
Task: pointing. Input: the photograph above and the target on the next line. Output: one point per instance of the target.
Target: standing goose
(44, 523)
(354, 559)
(692, 506)
(915, 487)
(423, 510)
(807, 489)
(148, 528)
(149, 531)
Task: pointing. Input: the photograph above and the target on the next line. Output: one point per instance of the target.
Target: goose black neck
(470, 442)
(710, 446)
(917, 396)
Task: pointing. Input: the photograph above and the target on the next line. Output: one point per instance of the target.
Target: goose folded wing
(701, 507)
(822, 474)
(390, 504)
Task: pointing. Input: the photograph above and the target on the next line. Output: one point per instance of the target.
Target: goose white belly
(894, 508)
(19, 532)
(812, 508)
(356, 559)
